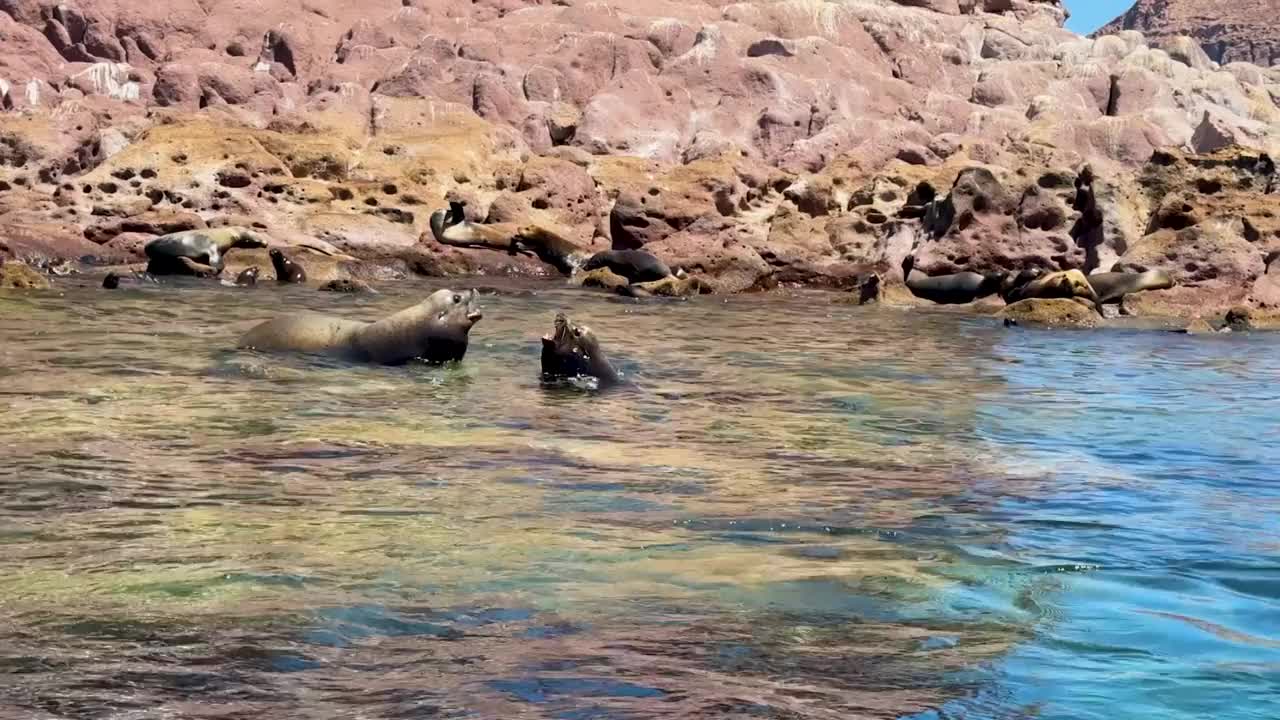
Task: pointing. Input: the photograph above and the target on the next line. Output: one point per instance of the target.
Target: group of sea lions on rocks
(631, 273)
(1090, 291)
(202, 253)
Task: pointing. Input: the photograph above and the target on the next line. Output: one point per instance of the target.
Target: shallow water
(797, 510)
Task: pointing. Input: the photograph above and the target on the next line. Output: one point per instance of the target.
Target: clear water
(798, 510)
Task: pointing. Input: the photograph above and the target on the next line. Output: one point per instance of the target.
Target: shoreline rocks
(754, 145)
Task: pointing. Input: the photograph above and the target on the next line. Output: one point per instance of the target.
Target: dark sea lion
(634, 265)
(572, 351)
(435, 330)
(1061, 284)
(347, 285)
(955, 289)
(1111, 287)
(197, 252)
(111, 281)
(447, 218)
(287, 271)
(248, 277)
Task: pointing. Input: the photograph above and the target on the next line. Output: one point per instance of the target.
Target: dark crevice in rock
(1113, 96)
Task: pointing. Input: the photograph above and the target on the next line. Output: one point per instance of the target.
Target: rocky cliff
(1228, 30)
(758, 143)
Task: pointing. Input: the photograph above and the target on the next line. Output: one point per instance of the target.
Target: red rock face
(1228, 31)
(761, 143)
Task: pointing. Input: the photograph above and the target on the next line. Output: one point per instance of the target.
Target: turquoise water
(797, 509)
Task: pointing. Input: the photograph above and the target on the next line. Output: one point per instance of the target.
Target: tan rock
(1053, 312)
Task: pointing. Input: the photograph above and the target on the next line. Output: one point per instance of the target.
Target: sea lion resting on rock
(197, 252)
(955, 289)
(1112, 286)
(287, 271)
(635, 265)
(450, 227)
(572, 351)
(435, 330)
(1063, 284)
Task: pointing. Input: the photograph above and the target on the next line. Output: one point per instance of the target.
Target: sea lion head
(1016, 281)
(573, 350)
(450, 316)
(248, 276)
(1073, 283)
(111, 281)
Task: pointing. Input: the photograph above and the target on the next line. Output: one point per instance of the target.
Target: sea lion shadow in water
(572, 357)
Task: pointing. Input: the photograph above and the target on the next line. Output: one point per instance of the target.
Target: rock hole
(541, 204)
(149, 173)
(123, 173)
(274, 188)
(1208, 187)
(341, 193)
(86, 189)
(108, 187)
(234, 180)
(390, 189)
(371, 201)
(410, 200)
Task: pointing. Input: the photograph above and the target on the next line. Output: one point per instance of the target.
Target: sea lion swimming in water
(635, 265)
(111, 281)
(573, 351)
(248, 277)
(197, 252)
(1111, 287)
(435, 330)
(287, 271)
(955, 289)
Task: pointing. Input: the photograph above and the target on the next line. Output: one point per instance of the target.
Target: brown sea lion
(197, 252)
(111, 281)
(573, 350)
(450, 227)
(287, 271)
(1111, 287)
(1061, 284)
(435, 330)
(954, 289)
(555, 250)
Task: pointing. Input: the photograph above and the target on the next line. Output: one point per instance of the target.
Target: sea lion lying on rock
(573, 351)
(954, 289)
(1062, 284)
(435, 330)
(450, 227)
(1111, 287)
(287, 271)
(197, 252)
(637, 266)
